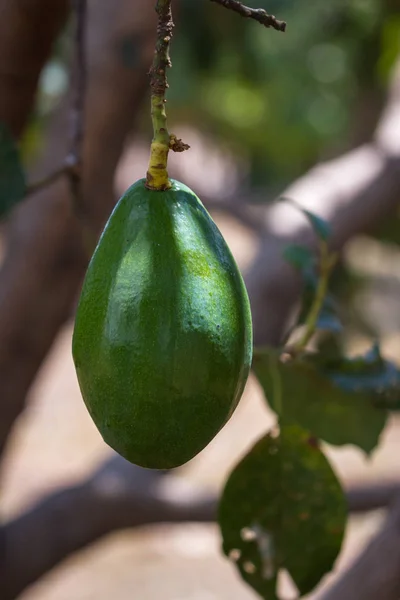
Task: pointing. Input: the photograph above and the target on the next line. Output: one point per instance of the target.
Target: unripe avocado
(162, 342)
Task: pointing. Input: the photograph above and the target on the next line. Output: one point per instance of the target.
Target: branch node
(258, 14)
(177, 145)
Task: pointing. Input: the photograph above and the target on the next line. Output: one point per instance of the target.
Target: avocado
(162, 342)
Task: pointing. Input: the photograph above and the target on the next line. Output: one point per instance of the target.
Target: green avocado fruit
(162, 343)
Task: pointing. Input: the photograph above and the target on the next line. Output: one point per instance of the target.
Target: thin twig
(162, 61)
(157, 174)
(258, 14)
(47, 180)
(73, 162)
(74, 158)
(327, 262)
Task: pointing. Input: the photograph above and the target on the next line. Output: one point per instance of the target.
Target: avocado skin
(162, 342)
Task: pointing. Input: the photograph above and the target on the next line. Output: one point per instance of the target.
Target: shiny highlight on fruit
(162, 342)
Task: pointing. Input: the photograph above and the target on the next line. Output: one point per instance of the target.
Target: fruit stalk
(258, 14)
(157, 174)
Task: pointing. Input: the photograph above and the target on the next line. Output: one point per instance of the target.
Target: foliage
(283, 508)
(241, 84)
(285, 491)
(320, 401)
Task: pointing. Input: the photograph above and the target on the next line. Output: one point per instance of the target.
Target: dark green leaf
(368, 373)
(12, 178)
(302, 394)
(283, 508)
(321, 228)
(329, 347)
(298, 256)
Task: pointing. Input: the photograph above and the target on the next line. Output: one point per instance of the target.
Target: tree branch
(376, 572)
(74, 158)
(353, 193)
(364, 498)
(23, 53)
(73, 161)
(43, 182)
(45, 259)
(119, 495)
(258, 14)
(78, 83)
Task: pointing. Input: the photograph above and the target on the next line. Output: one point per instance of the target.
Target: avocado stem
(157, 174)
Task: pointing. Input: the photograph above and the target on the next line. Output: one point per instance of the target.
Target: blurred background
(260, 110)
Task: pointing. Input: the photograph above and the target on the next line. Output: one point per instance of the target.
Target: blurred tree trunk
(45, 256)
(46, 260)
(28, 29)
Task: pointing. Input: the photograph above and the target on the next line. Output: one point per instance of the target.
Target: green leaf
(301, 394)
(321, 227)
(298, 256)
(12, 178)
(367, 373)
(329, 347)
(283, 508)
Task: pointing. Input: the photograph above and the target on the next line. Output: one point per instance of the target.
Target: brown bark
(352, 192)
(118, 496)
(375, 573)
(45, 259)
(366, 497)
(28, 29)
(45, 263)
